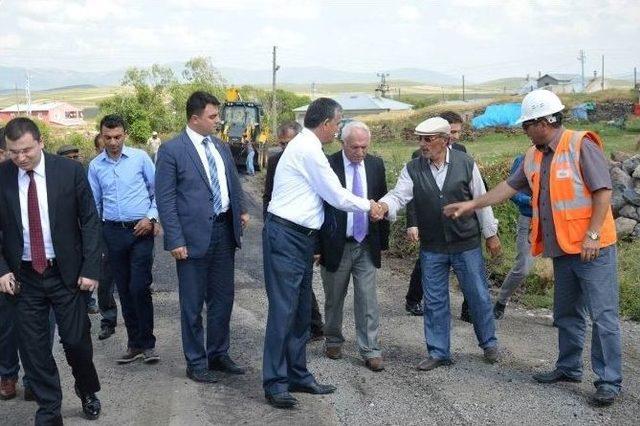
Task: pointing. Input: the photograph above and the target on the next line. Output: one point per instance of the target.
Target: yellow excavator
(242, 124)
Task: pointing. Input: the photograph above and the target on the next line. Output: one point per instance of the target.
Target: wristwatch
(594, 235)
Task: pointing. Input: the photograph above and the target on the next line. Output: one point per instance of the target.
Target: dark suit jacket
(333, 233)
(184, 197)
(272, 163)
(73, 219)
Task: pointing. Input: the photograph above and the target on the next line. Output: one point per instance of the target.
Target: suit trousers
(131, 259)
(106, 301)
(210, 280)
(414, 293)
(588, 288)
(9, 360)
(39, 294)
(288, 270)
(356, 262)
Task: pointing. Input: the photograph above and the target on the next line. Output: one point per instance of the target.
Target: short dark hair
(113, 121)
(198, 101)
(452, 117)
(559, 117)
(96, 140)
(288, 125)
(19, 126)
(320, 110)
(3, 143)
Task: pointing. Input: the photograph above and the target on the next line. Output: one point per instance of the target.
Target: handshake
(378, 210)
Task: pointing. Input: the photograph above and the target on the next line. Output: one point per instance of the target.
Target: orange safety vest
(570, 198)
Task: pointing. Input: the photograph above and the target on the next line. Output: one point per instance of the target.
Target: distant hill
(51, 79)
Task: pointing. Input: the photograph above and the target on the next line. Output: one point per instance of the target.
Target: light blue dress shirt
(124, 189)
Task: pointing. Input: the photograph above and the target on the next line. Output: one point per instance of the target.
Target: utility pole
(602, 76)
(582, 58)
(27, 92)
(274, 111)
(635, 77)
(313, 90)
(462, 87)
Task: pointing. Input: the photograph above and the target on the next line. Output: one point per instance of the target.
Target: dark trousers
(210, 280)
(106, 301)
(316, 316)
(131, 259)
(288, 269)
(414, 293)
(9, 360)
(39, 294)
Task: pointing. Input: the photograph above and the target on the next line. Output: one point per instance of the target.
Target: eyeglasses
(429, 138)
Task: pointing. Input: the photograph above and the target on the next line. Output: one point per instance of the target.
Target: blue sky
(481, 39)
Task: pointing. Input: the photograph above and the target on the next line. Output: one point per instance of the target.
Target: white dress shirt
(399, 196)
(303, 179)
(348, 178)
(39, 176)
(196, 139)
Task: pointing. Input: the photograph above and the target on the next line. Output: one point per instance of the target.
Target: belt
(222, 217)
(127, 225)
(299, 228)
(51, 263)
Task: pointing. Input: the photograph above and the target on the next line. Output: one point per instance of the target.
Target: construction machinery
(242, 124)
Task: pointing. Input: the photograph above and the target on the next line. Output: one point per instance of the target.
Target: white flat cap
(433, 126)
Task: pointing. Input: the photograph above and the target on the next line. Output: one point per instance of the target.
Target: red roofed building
(60, 113)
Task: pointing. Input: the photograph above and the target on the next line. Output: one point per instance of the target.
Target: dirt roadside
(469, 392)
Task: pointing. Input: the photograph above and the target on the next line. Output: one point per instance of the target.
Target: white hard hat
(433, 126)
(539, 103)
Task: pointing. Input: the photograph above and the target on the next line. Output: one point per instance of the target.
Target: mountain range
(49, 78)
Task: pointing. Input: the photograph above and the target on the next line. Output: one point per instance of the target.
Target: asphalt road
(469, 392)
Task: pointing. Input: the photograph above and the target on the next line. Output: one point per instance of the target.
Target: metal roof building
(354, 104)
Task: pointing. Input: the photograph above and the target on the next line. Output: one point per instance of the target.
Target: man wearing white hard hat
(567, 175)
(438, 177)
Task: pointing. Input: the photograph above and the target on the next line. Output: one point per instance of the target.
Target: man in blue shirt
(122, 180)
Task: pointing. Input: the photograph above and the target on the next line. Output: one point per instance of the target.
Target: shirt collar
(195, 137)
(309, 134)
(38, 170)
(446, 157)
(126, 152)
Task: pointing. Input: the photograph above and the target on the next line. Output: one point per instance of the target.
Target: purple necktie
(359, 219)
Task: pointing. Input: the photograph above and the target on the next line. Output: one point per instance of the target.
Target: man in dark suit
(350, 247)
(50, 257)
(287, 131)
(202, 210)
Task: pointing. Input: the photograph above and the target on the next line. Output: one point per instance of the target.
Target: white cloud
(409, 13)
(10, 41)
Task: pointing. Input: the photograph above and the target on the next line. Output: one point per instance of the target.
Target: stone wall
(625, 176)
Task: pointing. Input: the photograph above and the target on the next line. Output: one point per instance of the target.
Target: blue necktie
(215, 183)
(359, 219)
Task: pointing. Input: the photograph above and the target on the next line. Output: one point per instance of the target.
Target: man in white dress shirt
(436, 178)
(302, 181)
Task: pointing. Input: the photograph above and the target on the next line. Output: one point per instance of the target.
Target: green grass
(80, 97)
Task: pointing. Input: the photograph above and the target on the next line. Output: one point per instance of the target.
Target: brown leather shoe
(8, 388)
(333, 352)
(375, 363)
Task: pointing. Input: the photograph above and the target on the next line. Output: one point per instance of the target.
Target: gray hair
(351, 126)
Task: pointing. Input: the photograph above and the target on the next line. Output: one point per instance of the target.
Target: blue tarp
(500, 115)
(581, 111)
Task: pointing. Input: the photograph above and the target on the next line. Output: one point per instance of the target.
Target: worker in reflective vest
(567, 174)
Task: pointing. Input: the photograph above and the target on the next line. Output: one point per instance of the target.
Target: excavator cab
(242, 125)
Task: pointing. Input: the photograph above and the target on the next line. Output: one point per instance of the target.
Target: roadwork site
(468, 392)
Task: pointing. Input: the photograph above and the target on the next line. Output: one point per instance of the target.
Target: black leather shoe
(201, 376)
(414, 309)
(604, 396)
(281, 400)
(106, 332)
(28, 394)
(464, 312)
(554, 377)
(314, 388)
(225, 364)
(90, 404)
(498, 310)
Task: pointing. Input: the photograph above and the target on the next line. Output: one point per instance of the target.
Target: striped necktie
(213, 171)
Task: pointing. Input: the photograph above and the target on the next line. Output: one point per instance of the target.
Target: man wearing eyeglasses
(567, 175)
(438, 177)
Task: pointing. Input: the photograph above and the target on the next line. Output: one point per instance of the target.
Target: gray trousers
(524, 261)
(356, 262)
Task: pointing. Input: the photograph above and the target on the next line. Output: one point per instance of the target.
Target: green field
(82, 97)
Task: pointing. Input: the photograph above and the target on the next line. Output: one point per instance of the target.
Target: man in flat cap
(436, 178)
(69, 151)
